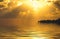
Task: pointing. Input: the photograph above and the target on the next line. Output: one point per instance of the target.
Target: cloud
(10, 14)
(1, 0)
(57, 4)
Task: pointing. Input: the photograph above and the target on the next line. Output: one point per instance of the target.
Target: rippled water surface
(16, 29)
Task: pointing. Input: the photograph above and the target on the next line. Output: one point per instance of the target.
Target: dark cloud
(7, 37)
(1, 0)
(57, 4)
(1, 6)
(13, 14)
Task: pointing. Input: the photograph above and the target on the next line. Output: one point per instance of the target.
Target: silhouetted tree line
(50, 21)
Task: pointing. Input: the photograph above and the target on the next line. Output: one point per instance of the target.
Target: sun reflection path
(32, 38)
(39, 38)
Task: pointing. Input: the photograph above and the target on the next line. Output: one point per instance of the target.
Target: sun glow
(35, 4)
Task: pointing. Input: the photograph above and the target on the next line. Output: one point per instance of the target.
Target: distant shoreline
(57, 21)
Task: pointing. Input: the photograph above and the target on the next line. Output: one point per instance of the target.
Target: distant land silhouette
(57, 21)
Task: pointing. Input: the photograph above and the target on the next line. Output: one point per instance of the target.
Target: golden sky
(18, 17)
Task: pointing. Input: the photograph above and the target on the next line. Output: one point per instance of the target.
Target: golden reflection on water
(32, 31)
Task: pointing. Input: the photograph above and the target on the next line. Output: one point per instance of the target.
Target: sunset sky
(20, 17)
